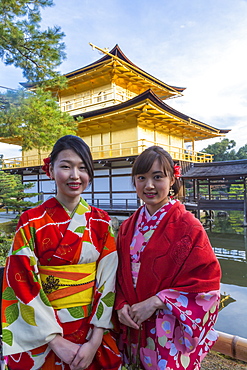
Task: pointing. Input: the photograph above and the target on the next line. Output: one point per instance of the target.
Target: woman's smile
(150, 195)
(153, 187)
(71, 177)
(74, 185)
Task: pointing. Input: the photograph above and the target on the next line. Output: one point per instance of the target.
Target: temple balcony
(116, 150)
(90, 101)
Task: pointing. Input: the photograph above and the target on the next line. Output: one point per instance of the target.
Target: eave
(217, 170)
(150, 112)
(115, 65)
(111, 67)
(14, 140)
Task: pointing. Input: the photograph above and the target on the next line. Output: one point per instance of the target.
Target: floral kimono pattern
(179, 336)
(48, 236)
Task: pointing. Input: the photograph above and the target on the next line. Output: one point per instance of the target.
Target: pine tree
(13, 193)
(34, 118)
(22, 42)
(12, 197)
(222, 150)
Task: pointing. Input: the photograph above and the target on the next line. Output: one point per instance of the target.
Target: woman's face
(153, 187)
(70, 175)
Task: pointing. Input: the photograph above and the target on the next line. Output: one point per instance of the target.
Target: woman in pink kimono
(168, 277)
(59, 283)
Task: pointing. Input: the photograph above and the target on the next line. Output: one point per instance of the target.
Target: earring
(171, 193)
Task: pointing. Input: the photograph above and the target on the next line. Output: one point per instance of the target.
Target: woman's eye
(140, 177)
(83, 168)
(64, 166)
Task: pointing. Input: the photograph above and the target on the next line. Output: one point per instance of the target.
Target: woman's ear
(172, 180)
(51, 171)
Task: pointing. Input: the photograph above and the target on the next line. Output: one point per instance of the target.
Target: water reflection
(228, 238)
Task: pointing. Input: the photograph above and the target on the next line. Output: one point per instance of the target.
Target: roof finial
(102, 51)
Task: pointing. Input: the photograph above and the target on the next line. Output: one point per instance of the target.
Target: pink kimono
(176, 263)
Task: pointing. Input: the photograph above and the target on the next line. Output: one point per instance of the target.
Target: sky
(197, 44)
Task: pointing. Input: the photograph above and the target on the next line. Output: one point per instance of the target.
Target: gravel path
(216, 361)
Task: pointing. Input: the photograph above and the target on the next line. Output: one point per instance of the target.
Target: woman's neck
(70, 204)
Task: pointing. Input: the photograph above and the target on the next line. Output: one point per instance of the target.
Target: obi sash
(69, 285)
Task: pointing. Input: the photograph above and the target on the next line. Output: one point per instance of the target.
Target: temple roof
(116, 54)
(114, 65)
(153, 111)
(217, 170)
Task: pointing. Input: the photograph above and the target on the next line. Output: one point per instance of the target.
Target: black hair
(145, 160)
(79, 146)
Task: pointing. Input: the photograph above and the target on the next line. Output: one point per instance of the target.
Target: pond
(228, 238)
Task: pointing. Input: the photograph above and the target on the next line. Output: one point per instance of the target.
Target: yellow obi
(69, 285)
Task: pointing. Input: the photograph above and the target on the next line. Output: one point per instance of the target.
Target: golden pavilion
(120, 110)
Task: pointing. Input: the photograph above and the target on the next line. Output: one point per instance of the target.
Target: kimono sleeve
(28, 319)
(192, 302)
(104, 295)
(120, 297)
(188, 318)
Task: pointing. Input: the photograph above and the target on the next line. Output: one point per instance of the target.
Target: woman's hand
(87, 351)
(141, 311)
(63, 348)
(124, 317)
(84, 357)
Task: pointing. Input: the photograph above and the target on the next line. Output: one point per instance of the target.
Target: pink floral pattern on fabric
(143, 231)
(181, 334)
(205, 300)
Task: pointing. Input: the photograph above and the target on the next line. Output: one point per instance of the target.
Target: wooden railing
(123, 149)
(214, 196)
(115, 204)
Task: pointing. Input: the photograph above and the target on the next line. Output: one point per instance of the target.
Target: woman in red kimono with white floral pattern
(168, 277)
(59, 283)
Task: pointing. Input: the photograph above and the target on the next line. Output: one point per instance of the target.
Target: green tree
(222, 150)
(35, 118)
(22, 42)
(242, 152)
(13, 196)
(13, 193)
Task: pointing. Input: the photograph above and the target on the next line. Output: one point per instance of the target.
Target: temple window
(99, 97)
(68, 105)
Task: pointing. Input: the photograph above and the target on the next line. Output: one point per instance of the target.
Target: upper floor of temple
(121, 109)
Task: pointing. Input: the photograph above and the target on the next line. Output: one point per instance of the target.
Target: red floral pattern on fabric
(98, 230)
(20, 275)
(67, 248)
(182, 251)
(16, 362)
(43, 231)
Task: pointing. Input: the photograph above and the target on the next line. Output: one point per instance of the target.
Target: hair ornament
(177, 171)
(46, 166)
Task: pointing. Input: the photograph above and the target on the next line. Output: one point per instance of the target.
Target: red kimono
(59, 279)
(179, 265)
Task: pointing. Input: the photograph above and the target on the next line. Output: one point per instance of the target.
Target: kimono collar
(165, 207)
(145, 226)
(82, 204)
